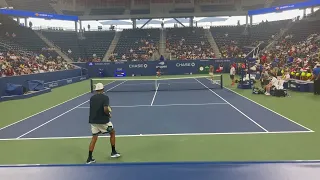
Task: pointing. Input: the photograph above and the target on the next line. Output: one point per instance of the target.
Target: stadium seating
(19, 37)
(113, 11)
(240, 36)
(139, 40)
(180, 41)
(97, 43)
(94, 43)
(32, 5)
(65, 40)
(302, 29)
(213, 8)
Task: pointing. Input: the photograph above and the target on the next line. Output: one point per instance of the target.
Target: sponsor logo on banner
(101, 63)
(51, 85)
(284, 7)
(185, 64)
(90, 64)
(222, 60)
(138, 65)
(69, 81)
(83, 78)
(162, 65)
(204, 69)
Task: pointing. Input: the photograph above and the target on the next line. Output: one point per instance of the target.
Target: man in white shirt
(273, 82)
(232, 74)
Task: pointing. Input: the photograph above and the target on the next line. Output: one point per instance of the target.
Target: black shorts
(232, 77)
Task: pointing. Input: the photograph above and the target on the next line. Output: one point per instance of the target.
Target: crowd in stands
(188, 43)
(17, 63)
(136, 45)
(297, 58)
(238, 41)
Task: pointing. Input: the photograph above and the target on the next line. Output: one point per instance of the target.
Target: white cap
(99, 86)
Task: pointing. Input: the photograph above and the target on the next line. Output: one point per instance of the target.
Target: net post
(221, 81)
(91, 85)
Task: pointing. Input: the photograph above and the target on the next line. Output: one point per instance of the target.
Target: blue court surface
(169, 171)
(161, 113)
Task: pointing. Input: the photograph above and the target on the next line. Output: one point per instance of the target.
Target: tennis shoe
(90, 161)
(115, 154)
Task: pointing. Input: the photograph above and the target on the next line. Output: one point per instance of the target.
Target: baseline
(48, 109)
(160, 105)
(63, 114)
(157, 135)
(270, 110)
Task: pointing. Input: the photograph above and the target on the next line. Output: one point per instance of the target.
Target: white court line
(155, 94)
(160, 105)
(268, 109)
(62, 114)
(158, 135)
(233, 106)
(44, 110)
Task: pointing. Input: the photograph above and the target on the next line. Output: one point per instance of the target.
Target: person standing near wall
(316, 79)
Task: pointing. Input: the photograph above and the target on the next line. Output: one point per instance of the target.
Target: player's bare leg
(114, 153)
(91, 149)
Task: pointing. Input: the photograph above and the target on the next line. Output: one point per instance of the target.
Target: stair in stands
(213, 43)
(51, 45)
(162, 43)
(279, 36)
(112, 46)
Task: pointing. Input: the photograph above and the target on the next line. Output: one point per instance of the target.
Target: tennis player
(158, 72)
(211, 70)
(99, 118)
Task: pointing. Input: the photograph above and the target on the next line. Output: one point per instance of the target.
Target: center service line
(155, 94)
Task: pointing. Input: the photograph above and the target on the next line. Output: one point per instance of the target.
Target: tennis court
(187, 108)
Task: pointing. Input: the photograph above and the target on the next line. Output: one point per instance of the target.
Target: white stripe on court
(159, 135)
(269, 109)
(155, 93)
(161, 105)
(62, 114)
(233, 106)
(47, 109)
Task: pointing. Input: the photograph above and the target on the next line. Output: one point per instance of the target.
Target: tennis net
(159, 84)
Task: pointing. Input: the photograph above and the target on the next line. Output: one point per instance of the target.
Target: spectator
(15, 64)
(316, 77)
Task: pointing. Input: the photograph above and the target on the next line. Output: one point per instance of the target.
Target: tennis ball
(309, 75)
(297, 74)
(282, 71)
(292, 73)
(303, 74)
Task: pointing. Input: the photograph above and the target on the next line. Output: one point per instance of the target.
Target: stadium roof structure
(144, 9)
(166, 21)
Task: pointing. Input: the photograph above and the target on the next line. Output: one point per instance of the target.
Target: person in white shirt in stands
(272, 83)
(232, 74)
